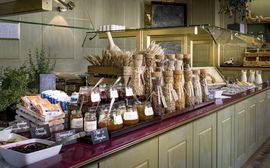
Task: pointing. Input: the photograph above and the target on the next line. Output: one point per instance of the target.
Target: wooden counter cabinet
(204, 142)
(175, 148)
(260, 115)
(240, 133)
(225, 138)
(251, 142)
(143, 155)
(267, 111)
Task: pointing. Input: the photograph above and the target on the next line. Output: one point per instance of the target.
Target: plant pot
(240, 27)
(7, 116)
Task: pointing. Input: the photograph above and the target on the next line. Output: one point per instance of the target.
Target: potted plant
(13, 86)
(40, 69)
(236, 9)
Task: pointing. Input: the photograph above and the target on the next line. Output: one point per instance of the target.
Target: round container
(115, 121)
(104, 93)
(131, 116)
(145, 111)
(103, 119)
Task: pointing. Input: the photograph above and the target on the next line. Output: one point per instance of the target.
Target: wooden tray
(186, 110)
(128, 129)
(110, 74)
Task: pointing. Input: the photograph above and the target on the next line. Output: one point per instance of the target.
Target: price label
(129, 91)
(118, 120)
(61, 135)
(95, 97)
(113, 93)
(99, 135)
(130, 116)
(41, 132)
(163, 100)
(148, 111)
(174, 94)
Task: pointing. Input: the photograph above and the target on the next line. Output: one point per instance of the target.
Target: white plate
(18, 159)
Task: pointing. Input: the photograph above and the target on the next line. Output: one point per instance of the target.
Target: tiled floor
(261, 159)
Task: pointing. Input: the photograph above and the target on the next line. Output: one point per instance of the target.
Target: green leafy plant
(13, 87)
(235, 8)
(41, 63)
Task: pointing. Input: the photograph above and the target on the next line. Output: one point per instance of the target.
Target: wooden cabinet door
(225, 138)
(175, 148)
(251, 126)
(204, 142)
(260, 119)
(240, 133)
(267, 112)
(91, 165)
(143, 155)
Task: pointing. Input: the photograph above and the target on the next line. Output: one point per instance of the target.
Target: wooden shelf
(238, 68)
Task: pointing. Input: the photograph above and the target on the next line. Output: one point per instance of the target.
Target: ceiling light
(67, 6)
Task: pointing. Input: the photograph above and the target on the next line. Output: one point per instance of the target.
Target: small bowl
(23, 159)
(5, 134)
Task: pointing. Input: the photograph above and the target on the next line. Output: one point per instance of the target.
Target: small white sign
(9, 30)
(129, 92)
(113, 93)
(95, 97)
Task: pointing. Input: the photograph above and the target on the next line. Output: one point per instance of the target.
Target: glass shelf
(45, 24)
(219, 35)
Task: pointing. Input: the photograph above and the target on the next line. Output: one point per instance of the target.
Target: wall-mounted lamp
(232, 35)
(196, 30)
(66, 5)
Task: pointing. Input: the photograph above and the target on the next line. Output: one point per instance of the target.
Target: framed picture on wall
(167, 14)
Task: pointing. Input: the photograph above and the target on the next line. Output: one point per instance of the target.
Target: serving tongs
(99, 82)
(116, 82)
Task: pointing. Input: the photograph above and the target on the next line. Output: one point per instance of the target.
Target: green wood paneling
(240, 134)
(225, 138)
(175, 148)
(143, 155)
(204, 142)
(251, 126)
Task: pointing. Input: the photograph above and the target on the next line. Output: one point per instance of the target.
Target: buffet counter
(201, 130)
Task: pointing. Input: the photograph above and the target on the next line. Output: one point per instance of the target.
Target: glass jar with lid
(137, 76)
(158, 105)
(103, 119)
(159, 63)
(84, 94)
(104, 93)
(90, 122)
(115, 121)
(76, 120)
(131, 116)
(145, 111)
(168, 91)
(171, 62)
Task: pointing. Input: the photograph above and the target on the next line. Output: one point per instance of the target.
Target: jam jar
(90, 122)
(145, 111)
(131, 116)
(104, 93)
(115, 121)
(103, 119)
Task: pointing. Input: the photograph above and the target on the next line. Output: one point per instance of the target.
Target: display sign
(22, 126)
(61, 135)
(41, 132)
(99, 135)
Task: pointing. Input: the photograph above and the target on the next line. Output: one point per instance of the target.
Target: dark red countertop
(79, 154)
